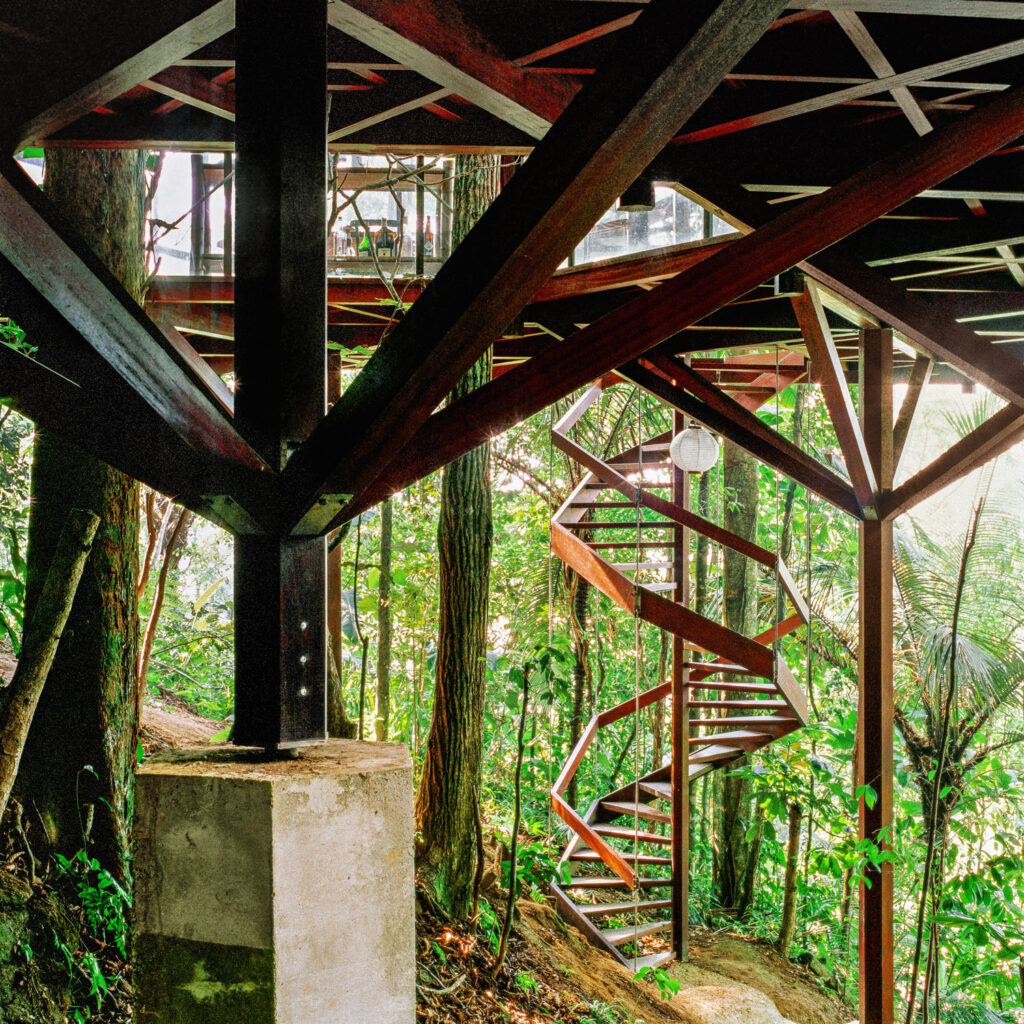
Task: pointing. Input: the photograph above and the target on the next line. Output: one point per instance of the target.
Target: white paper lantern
(695, 449)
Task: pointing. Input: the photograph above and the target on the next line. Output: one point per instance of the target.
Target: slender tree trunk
(737, 856)
(447, 804)
(42, 635)
(174, 544)
(384, 623)
(339, 725)
(92, 681)
(788, 926)
(580, 593)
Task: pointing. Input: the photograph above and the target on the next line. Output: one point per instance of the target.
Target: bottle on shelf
(363, 250)
(428, 240)
(385, 241)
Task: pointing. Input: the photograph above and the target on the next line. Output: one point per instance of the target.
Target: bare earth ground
(729, 979)
(165, 723)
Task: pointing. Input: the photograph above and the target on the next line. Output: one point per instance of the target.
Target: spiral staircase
(739, 697)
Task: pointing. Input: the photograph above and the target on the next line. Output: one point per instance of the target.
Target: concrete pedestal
(275, 892)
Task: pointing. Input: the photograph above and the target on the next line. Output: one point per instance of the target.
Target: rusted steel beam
(996, 435)
(874, 758)
(811, 316)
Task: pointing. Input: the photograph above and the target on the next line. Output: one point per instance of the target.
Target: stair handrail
(614, 860)
(607, 474)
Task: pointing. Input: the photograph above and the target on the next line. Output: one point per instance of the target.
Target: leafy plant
(667, 985)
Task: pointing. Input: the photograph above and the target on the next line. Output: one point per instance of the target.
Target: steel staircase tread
(640, 810)
(652, 960)
(659, 789)
(715, 667)
(625, 524)
(738, 737)
(644, 858)
(612, 882)
(620, 936)
(733, 687)
(635, 566)
(716, 753)
(608, 909)
(624, 832)
(714, 705)
(744, 720)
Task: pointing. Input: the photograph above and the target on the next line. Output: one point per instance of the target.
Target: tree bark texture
(447, 801)
(737, 856)
(42, 635)
(384, 623)
(86, 713)
(578, 601)
(788, 926)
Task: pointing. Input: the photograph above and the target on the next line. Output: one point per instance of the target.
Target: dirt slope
(729, 979)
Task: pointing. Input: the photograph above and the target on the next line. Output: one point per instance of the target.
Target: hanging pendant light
(695, 449)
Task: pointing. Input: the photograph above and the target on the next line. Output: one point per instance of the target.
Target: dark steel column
(280, 360)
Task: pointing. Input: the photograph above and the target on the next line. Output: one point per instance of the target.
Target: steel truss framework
(871, 145)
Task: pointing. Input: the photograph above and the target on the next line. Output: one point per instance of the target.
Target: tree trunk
(92, 682)
(384, 623)
(447, 803)
(737, 856)
(42, 635)
(788, 926)
(580, 593)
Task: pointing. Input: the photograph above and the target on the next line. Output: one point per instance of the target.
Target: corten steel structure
(871, 144)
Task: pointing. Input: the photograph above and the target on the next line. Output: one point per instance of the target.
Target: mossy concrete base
(202, 982)
(275, 892)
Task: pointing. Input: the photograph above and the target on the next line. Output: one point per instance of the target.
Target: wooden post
(680, 724)
(280, 356)
(229, 188)
(420, 210)
(875, 713)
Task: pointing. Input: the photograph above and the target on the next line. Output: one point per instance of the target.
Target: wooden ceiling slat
(194, 90)
(989, 55)
(443, 48)
(114, 63)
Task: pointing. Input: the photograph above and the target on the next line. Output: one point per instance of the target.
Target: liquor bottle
(428, 239)
(385, 242)
(364, 244)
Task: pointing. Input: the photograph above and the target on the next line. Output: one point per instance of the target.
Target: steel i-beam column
(280, 360)
(680, 723)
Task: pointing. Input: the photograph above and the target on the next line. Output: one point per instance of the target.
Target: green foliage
(667, 985)
(106, 908)
(193, 653)
(599, 1012)
(15, 468)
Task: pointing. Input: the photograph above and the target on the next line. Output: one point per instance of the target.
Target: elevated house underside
(865, 153)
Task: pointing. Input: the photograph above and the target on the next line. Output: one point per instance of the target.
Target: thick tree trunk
(736, 855)
(447, 802)
(92, 682)
(384, 623)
